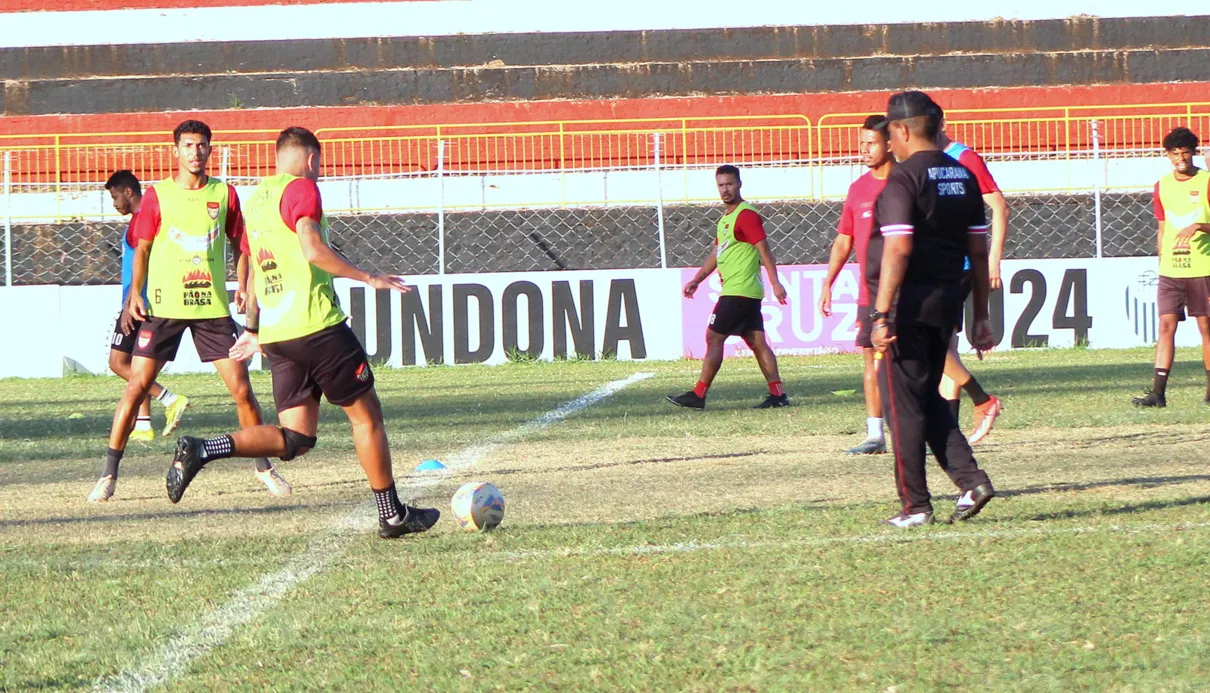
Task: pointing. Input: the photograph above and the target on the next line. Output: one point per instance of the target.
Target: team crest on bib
(212, 209)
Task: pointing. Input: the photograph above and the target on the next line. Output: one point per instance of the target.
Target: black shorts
(737, 315)
(331, 362)
(1176, 295)
(159, 338)
(124, 342)
(966, 293)
(865, 327)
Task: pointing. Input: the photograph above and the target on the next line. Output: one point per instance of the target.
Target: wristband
(253, 330)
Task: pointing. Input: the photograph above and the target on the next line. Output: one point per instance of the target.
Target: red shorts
(1176, 295)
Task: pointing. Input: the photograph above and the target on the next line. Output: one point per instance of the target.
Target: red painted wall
(811, 105)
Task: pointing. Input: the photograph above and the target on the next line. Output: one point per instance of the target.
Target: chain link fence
(1040, 226)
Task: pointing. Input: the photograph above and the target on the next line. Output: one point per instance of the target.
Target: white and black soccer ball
(478, 506)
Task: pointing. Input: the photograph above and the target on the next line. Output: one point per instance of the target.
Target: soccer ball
(478, 506)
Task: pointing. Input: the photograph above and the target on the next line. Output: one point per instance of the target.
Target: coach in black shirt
(927, 220)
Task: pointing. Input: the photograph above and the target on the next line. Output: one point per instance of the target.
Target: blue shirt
(128, 261)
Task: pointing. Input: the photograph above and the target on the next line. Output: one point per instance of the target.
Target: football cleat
(142, 435)
(869, 446)
(174, 413)
(103, 491)
(773, 402)
(985, 418)
(904, 520)
(415, 520)
(1150, 398)
(689, 400)
(273, 481)
(970, 503)
(186, 463)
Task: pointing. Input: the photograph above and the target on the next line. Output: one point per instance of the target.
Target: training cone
(429, 466)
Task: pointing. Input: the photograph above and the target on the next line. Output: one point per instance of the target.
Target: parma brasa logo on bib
(197, 288)
(268, 268)
(212, 208)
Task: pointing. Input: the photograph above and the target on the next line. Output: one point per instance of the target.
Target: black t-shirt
(936, 201)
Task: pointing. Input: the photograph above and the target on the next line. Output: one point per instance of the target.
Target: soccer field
(645, 548)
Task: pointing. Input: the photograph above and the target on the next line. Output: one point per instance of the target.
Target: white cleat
(276, 484)
(103, 491)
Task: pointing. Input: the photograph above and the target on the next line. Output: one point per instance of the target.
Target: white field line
(902, 537)
(244, 606)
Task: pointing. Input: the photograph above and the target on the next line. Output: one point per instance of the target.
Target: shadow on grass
(268, 510)
(1123, 510)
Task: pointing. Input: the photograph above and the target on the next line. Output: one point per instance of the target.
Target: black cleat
(415, 520)
(773, 401)
(1151, 398)
(869, 446)
(689, 400)
(970, 503)
(186, 463)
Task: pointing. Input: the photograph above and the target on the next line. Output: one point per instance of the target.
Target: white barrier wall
(627, 314)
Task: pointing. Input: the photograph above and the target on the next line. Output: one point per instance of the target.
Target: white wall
(643, 309)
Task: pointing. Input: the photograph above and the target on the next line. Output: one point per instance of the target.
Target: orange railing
(71, 162)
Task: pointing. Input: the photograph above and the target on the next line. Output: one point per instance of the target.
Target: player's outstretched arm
(770, 265)
(707, 269)
(319, 254)
(841, 248)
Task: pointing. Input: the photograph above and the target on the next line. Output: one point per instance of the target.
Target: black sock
(1161, 381)
(218, 448)
(388, 503)
(263, 464)
(112, 459)
(955, 405)
(976, 393)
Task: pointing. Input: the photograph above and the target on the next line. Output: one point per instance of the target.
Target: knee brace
(296, 441)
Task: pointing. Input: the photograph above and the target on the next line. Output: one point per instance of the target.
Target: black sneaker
(415, 520)
(1151, 398)
(689, 400)
(970, 503)
(186, 463)
(772, 401)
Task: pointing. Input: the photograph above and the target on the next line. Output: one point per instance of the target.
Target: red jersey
(857, 220)
(971, 159)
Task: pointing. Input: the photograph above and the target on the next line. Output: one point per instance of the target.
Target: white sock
(142, 424)
(873, 428)
(167, 398)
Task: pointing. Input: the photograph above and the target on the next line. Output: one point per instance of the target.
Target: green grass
(645, 547)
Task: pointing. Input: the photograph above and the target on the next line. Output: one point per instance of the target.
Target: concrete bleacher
(601, 65)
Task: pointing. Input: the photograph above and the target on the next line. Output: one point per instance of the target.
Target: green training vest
(187, 269)
(738, 262)
(296, 298)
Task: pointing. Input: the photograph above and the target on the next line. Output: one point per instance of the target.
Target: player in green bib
(741, 249)
(294, 319)
(179, 283)
(1182, 210)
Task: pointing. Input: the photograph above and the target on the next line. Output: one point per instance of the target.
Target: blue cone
(429, 466)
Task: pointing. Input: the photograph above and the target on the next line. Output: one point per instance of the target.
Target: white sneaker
(277, 485)
(103, 491)
(903, 520)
